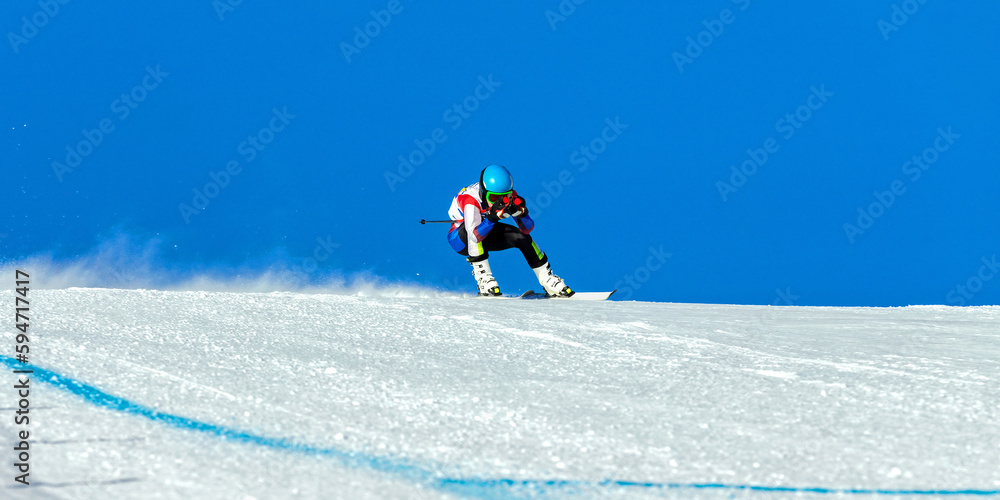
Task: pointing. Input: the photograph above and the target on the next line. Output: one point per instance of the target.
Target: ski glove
(517, 207)
(496, 212)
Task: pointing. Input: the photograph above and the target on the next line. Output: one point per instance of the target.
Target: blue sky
(621, 124)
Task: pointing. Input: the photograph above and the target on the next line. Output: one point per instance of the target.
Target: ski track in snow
(148, 394)
(173, 377)
(547, 336)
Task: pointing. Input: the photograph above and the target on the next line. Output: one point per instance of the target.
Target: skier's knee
(520, 240)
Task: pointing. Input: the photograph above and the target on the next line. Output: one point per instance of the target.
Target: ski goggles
(492, 197)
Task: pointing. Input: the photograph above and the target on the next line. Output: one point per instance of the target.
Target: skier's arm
(519, 210)
(525, 223)
(475, 226)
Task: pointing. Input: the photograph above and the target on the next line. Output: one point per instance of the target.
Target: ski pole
(422, 221)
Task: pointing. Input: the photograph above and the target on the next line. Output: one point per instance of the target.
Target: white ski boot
(554, 285)
(484, 278)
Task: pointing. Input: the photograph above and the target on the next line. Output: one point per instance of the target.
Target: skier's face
(492, 197)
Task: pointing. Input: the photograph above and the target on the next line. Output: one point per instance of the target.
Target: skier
(476, 230)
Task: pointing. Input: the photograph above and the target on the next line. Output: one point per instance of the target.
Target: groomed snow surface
(151, 394)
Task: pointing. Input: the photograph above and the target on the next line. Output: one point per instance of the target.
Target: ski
(530, 294)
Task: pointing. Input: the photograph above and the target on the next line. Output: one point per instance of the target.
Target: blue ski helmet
(496, 179)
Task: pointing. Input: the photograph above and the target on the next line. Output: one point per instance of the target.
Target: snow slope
(152, 394)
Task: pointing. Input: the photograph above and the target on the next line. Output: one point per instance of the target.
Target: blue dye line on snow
(482, 487)
(102, 399)
(543, 485)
